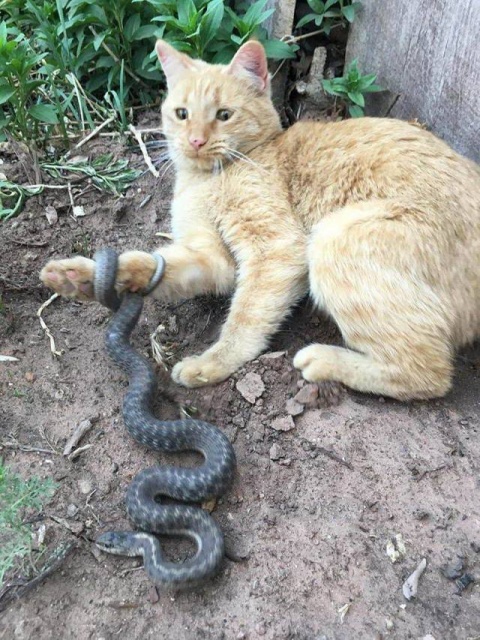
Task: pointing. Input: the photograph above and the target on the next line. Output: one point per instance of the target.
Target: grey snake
(209, 480)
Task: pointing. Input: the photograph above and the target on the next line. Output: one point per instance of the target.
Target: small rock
(153, 596)
(251, 387)
(273, 355)
(293, 407)
(275, 452)
(307, 394)
(51, 214)
(283, 424)
(389, 624)
(463, 582)
(30, 376)
(454, 570)
(241, 635)
(410, 586)
(260, 629)
(72, 510)
(475, 546)
(85, 485)
(76, 527)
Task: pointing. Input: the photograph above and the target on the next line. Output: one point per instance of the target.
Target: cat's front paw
(72, 278)
(197, 371)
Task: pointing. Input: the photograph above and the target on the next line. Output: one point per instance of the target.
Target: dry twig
(53, 347)
(144, 151)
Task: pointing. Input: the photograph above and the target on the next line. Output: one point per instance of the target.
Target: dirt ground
(307, 531)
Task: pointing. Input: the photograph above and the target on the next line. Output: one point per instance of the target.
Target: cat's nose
(197, 142)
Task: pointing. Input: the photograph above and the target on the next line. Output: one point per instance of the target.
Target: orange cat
(378, 219)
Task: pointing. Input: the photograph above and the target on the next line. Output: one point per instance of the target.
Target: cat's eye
(182, 114)
(223, 115)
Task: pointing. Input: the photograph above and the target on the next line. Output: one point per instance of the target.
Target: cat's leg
(189, 271)
(268, 286)
(367, 270)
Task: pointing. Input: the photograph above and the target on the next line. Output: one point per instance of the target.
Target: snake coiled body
(209, 480)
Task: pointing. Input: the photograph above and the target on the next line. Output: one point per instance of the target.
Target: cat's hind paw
(72, 278)
(316, 362)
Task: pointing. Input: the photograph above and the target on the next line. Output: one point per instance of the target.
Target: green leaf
(366, 81)
(253, 16)
(224, 55)
(306, 19)
(131, 26)
(210, 22)
(278, 50)
(187, 11)
(44, 113)
(355, 111)
(316, 5)
(6, 92)
(147, 31)
(330, 3)
(349, 12)
(357, 98)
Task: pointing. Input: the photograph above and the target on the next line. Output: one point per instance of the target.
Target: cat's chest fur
(242, 204)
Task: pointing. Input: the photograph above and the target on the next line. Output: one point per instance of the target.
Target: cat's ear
(174, 63)
(250, 62)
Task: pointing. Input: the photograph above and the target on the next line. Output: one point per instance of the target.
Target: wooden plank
(428, 54)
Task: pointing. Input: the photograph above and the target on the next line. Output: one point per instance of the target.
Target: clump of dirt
(320, 490)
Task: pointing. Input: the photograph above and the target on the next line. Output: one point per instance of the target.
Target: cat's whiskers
(238, 155)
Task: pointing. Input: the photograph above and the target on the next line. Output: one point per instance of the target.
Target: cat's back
(358, 159)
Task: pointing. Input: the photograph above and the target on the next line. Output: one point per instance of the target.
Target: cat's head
(214, 113)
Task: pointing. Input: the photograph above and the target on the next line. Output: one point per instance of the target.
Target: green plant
(13, 196)
(68, 65)
(106, 175)
(16, 497)
(24, 109)
(329, 14)
(352, 87)
(213, 31)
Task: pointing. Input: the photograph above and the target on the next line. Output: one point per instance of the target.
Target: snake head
(120, 543)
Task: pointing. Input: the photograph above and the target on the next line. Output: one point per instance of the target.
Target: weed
(13, 196)
(82, 246)
(106, 175)
(329, 14)
(66, 65)
(351, 88)
(16, 497)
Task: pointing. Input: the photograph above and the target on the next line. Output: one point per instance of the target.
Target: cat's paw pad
(72, 278)
(198, 371)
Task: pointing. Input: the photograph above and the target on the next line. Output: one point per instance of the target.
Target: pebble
(260, 629)
(275, 452)
(293, 407)
(85, 485)
(72, 510)
(283, 424)
(30, 376)
(454, 570)
(251, 387)
(273, 355)
(307, 394)
(153, 596)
